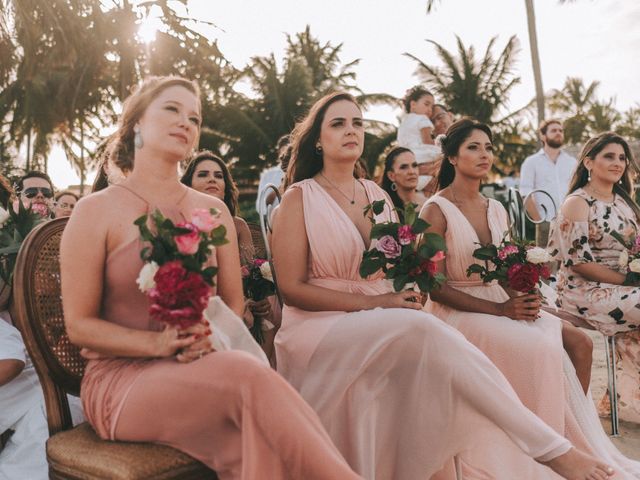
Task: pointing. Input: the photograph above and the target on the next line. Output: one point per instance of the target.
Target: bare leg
(579, 347)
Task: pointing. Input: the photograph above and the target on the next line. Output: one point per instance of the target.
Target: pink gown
(529, 354)
(226, 409)
(398, 390)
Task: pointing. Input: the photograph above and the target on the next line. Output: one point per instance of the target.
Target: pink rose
(244, 271)
(406, 235)
(204, 221)
(259, 261)
(188, 243)
(506, 251)
(40, 209)
(438, 257)
(388, 246)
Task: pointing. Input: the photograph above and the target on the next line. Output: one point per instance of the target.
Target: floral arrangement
(15, 225)
(519, 265)
(258, 284)
(177, 276)
(629, 259)
(398, 251)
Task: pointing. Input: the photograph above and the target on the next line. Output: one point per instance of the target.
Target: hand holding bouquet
(176, 276)
(398, 253)
(257, 282)
(629, 259)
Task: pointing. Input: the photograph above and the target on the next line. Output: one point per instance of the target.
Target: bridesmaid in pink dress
(149, 384)
(522, 341)
(398, 390)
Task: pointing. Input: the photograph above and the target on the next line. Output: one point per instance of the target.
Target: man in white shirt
(550, 170)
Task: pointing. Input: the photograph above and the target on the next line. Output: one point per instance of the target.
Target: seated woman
(147, 383)
(592, 283)
(400, 178)
(207, 173)
(64, 203)
(398, 390)
(522, 341)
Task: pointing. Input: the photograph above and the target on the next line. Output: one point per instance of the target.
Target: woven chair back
(258, 240)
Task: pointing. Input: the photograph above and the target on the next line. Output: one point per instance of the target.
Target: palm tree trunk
(83, 167)
(28, 167)
(535, 58)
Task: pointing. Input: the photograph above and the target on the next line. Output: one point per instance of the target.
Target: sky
(590, 39)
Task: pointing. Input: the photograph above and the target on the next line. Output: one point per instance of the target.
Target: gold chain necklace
(602, 194)
(351, 200)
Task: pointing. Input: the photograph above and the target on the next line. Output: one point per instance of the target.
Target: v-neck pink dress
(226, 409)
(399, 391)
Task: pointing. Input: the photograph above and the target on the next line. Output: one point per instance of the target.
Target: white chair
(270, 190)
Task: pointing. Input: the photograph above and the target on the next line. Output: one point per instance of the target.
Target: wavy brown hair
(120, 149)
(305, 161)
(591, 149)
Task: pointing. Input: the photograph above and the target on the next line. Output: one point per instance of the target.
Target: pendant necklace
(352, 200)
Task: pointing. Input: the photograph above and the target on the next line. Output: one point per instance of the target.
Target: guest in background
(550, 170)
(65, 201)
(400, 178)
(441, 118)
(273, 175)
(36, 188)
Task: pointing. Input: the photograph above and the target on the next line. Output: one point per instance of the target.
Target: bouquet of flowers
(15, 225)
(399, 253)
(257, 283)
(519, 265)
(176, 275)
(629, 259)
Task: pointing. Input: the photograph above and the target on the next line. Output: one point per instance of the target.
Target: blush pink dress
(226, 409)
(399, 391)
(529, 354)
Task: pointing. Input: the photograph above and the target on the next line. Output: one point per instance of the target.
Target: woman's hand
(525, 307)
(173, 339)
(200, 347)
(261, 308)
(406, 299)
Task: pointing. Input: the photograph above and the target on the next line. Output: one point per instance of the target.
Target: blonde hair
(120, 148)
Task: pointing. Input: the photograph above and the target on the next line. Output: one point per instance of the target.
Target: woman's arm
(576, 209)
(82, 258)
(10, 368)
(425, 134)
(290, 255)
(228, 280)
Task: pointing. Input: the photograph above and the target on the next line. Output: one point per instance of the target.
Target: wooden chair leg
(610, 343)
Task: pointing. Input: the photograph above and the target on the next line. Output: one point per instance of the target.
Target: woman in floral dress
(592, 282)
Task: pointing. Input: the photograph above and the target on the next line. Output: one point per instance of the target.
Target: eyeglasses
(66, 206)
(33, 191)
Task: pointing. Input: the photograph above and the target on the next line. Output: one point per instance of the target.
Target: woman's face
(404, 171)
(609, 165)
(208, 178)
(423, 105)
(475, 156)
(171, 123)
(64, 206)
(342, 132)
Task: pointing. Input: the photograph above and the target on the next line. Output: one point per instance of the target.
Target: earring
(137, 138)
(588, 175)
(394, 187)
(318, 148)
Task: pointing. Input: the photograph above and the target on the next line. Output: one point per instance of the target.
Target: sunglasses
(33, 191)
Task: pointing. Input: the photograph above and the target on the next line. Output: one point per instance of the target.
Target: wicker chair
(75, 453)
(258, 241)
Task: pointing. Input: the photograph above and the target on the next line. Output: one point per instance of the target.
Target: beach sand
(629, 440)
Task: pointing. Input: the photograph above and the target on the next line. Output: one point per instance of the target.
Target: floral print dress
(611, 309)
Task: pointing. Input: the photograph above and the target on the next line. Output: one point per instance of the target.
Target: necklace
(602, 194)
(352, 200)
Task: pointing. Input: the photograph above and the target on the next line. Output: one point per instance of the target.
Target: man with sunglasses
(35, 188)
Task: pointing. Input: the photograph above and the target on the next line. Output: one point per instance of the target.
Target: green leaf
(435, 242)
(419, 226)
(487, 252)
(399, 282)
(378, 206)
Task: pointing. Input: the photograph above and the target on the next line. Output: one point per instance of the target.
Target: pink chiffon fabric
(529, 354)
(398, 390)
(226, 409)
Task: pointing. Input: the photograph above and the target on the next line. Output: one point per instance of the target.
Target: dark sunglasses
(33, 191)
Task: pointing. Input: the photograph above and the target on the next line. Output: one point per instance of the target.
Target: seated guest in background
(441, 118)
(64, 203)
(147, 382)
(273, 175)
(36, 188)
(400, 178)
(550, 170)
(399, 391)
(592, 281)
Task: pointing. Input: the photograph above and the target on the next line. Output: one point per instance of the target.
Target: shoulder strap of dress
(132, 192)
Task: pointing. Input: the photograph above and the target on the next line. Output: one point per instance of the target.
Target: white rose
(538, 255)
(145, 278)
(265, 271)
(623, 259)
(634, 266)
(4, 216)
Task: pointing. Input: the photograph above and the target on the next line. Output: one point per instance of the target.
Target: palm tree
(574, 100)
(603, 117)
(630, 123)
(470, 86)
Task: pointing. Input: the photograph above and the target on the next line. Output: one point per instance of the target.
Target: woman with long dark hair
(400, 178)
(398, 390)
(592, 280)
(525, 343)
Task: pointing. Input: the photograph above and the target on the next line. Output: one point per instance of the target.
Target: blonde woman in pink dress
(398, 390)
(525, 343)
(147, 383)
(592, 283)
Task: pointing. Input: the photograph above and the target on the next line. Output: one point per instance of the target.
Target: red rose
(545, 272)
(523, 278)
